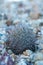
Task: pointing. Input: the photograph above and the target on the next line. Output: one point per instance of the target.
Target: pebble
(39, 62)
(37, 56)
(24, 62)
(27, 52)
(21, 62)
(5, 59)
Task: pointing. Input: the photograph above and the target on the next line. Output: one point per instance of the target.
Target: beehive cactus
(20, 37)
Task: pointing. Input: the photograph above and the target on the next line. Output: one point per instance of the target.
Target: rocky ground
(27, 57)
(35, 20)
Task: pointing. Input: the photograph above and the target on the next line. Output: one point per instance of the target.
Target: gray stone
(37, 56)
(39, 63)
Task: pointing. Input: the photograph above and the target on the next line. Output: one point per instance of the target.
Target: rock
(42, 30)
(5, 17)
(22, 61)
(39, 62)
(0, 17)
(9, 51)
(35, 12)
(40, 46)
(34, 16)
(8, 22)
(5, 58)
(3, 35)
(37, 56)
(41, 51)
(27, 52)
(20, 38)
(25, 57)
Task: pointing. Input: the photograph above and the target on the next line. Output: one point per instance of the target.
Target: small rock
(27, 52)
(41, 51)
(10, 52)
(24, 62)
(37, 56)
(21, 62)
(40, 46)
(8, 22)
(42, 30)
(38, 63)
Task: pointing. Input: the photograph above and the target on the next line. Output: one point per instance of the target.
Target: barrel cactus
(20, 37)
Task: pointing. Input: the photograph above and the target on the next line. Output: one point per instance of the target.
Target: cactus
(20, 37)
